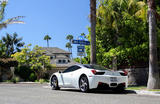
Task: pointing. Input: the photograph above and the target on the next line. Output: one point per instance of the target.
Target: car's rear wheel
(54, 83)
(83, 84)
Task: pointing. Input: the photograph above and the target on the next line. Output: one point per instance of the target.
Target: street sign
(80, 48)
(81, 37)
(75, 41)
(82, 42)
(80, 54)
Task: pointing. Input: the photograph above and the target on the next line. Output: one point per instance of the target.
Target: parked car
(86, 77)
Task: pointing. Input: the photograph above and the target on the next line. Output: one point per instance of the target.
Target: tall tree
(154, 74)
(119, 26)
(14, 20)
(93, 30)
(69, 46)
(70, 38)
(12, 43)
(84, 35)
(2, 50)
(47, 37)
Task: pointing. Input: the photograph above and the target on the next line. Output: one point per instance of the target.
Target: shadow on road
(102, 91)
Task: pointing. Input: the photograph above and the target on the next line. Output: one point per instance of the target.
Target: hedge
(8, 62)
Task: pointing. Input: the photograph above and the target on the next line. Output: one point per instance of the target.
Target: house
(58, 57)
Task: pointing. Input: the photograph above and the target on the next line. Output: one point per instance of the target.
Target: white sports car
(86, 77)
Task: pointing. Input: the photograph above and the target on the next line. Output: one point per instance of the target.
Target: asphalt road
(41, 94)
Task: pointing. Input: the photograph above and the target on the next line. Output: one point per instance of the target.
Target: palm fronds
(14, 20)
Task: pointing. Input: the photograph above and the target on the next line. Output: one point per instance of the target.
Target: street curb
(144, 92)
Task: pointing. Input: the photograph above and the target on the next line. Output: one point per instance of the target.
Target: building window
(67, 56)
(64, 61)
(59, 61)
(52, 57)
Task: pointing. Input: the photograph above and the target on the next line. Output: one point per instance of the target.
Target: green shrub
(137, 55)
(15, 79)
(41, 81)
(8, 62)
(24, 72)
(32, 77)
(8, 81)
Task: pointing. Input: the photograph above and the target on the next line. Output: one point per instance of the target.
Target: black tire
(54, 83)
(83, 84)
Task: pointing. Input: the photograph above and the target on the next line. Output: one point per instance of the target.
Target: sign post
(81, 47)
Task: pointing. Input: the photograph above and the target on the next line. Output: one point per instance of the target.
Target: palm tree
(2, 50)
(84, 35)
(69, 46)
(13, 20)
(70, 38)
(12, 43)
(47, 37)
(154, 75)
(93, 30)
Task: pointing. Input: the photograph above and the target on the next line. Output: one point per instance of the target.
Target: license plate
(113, 79)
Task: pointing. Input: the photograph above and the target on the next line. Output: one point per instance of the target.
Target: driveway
(42, 94)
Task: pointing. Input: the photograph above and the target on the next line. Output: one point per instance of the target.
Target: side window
(75, 68)
(72, 68)
(68, 69)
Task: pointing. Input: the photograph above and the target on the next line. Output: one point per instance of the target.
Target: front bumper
(100, 80)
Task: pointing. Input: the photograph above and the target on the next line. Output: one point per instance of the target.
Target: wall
(5, 74)
(138, 76)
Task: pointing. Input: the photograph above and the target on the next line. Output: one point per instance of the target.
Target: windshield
(98, 67)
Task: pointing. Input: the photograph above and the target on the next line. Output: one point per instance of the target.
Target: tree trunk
(154, 77)
(47, 43)
(71, 54)
(93, 30)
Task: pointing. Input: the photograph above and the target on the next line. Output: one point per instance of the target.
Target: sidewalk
(144, 92)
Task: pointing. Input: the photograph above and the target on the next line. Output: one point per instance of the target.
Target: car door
(67, 76)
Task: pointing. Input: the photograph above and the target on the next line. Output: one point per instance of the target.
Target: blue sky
(57, 18)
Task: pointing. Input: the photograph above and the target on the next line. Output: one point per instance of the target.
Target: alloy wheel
(84, 87)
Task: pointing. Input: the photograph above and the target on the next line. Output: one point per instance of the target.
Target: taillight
(125, 72)
(93, 71)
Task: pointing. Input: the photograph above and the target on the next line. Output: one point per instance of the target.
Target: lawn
(140, 88)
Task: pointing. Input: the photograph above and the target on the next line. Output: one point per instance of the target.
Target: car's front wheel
(54, 83)
(83, 84)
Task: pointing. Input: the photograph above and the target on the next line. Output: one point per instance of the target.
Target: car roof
(82, 65)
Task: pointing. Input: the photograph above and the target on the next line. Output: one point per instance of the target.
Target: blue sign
(81, 38)
(80, 48)
(80, 54)
(82, 42)
(75, 41)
